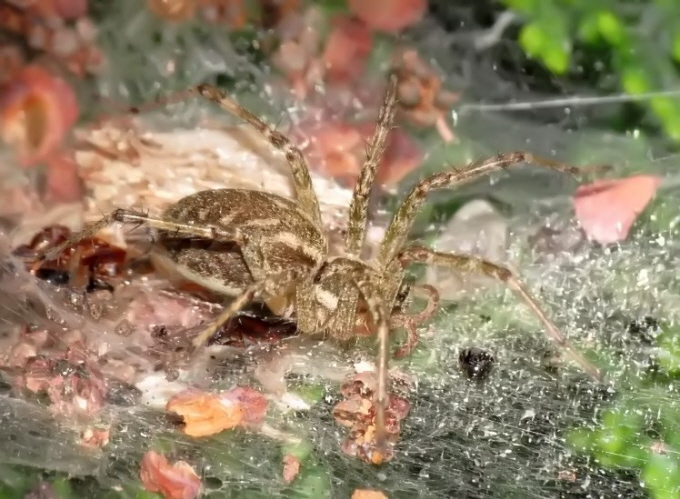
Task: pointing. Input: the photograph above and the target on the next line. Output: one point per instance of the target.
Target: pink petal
(388, 15)
(607, 209)
(347, 49)
(63, 183)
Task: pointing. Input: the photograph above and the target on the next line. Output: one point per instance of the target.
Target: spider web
(504, 436)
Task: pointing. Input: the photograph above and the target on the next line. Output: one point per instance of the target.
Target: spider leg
(411, 321)
(272, 285)
(364, 279)
(380, 318)
(401, 223)
(358, 207)
(430, 308)
(298, 164)
(137, 218)
(466, 263)
(408, 323)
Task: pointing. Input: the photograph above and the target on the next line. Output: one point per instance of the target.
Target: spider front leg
(302, 181)
(358, 208)
(298, 164)
(120, 215)
(401, 223)
(466, 263)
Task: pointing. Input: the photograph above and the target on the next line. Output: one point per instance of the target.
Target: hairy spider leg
(467, 263)
(206, 231)
(364, 278)
(358, 208)
(304, 189)
(344, 320)
(402, 221)
(299, 167)
(410, 321)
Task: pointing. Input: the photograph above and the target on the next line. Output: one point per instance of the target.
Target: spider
(251, 245)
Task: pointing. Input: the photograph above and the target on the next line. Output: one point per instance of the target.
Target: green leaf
(556, 57)
(611, 28)
(675, 47)
(662, 476)
(589, 30)
(532, 39)
(635, 80)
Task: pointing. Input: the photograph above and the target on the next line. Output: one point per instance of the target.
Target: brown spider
(249, 245)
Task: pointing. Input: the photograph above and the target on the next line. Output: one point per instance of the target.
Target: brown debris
(357, 412)
(423, 100)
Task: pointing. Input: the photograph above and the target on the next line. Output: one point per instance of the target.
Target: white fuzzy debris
(157, 390)
(289, 401)
(150, 170)
(364, 366)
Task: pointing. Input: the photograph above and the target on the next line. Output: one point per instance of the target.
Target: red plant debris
(357, 412)
(204, 414)
(172, 481)
(388, 15)
(62, 182)
(607, 209)
(73, 383)
(95, 438)
(346, 50)
(59, 30)
(339, 150)
(37, 110)
(231, 13)
(291, 468)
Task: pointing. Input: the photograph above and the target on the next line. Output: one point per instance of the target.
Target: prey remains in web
(250, 245)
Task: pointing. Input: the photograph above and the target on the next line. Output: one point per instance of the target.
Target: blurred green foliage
(641, 431)
(638, 39)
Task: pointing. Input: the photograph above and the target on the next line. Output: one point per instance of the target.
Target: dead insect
(251, 245)
(89, 263)
(475, 362)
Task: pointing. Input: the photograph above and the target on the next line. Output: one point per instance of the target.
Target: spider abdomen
(280, 237)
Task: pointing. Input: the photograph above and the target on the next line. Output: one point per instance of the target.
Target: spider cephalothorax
(251, 245)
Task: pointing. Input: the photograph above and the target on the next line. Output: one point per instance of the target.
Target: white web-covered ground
(504, 436)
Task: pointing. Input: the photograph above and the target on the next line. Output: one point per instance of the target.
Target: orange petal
(176, 481)
(388, 15)
(368, 494)
(205, 414)
(607, 209)
(37, 109)
(172, 10)
(347, 49)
